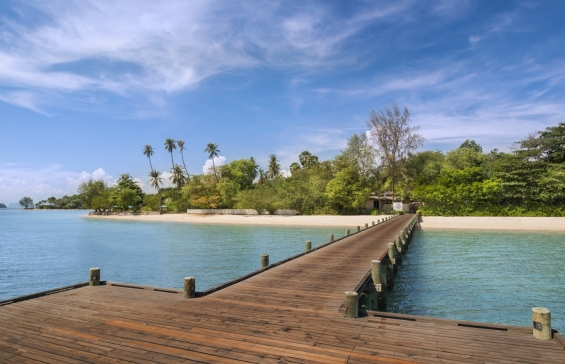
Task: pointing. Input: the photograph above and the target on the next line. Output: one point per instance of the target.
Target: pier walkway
(289, 313)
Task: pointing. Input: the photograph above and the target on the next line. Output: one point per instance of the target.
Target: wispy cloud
(127, 48)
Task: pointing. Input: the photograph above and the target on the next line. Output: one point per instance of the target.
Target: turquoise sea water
(40, 250)
(485, 276)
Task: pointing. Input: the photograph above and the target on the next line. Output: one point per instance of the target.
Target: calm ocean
(478, 276)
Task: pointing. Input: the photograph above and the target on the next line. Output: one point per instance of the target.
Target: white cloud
(285, 173)
(84, 176)
(25, 99)
(474, 39)
(151, 48)
(218, 161)
(41, 182)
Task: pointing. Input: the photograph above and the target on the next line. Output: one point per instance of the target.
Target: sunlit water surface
(486, 276)
(40, 250)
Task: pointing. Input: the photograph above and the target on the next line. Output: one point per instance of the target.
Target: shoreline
(426, 222)
(270, 220)
(493, 223)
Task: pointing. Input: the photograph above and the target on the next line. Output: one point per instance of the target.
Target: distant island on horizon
(2, 206)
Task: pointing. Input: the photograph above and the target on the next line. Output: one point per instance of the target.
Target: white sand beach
(276, 220)
(493, 223)
(427, 222)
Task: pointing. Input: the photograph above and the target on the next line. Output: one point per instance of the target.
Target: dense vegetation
(466, 181)
(529, 181)
(65, 202)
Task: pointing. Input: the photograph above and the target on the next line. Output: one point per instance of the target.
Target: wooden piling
(541, 322)
(372, 223)
(347, 232)
(264, 260)
(358, 228)
(379, 280)
(404, 241)
(189, 287)
(389, 276)
(331, 237)
(308, 245)
(94, 277)
(366, 226)
(392, 253)
(399, 245)
(351, 305)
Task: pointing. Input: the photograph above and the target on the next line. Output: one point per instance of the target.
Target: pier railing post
(94, 277)
(347, 232)
(358, 228)
(541, 322)
(366, 225)
(351, 304)
(373, 223)
(308, 245)
(331, 237)
(379, 280)
(264, 260)
(189, 287)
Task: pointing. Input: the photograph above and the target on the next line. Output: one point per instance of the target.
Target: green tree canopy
(241, 171)
(345, 192)
(26, 202)
(307, 159)
(90, 192)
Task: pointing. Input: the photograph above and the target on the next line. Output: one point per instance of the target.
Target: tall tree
(148, 152)
(213, 152)
(26, 202)
(294, 167)
(547, 146)
(241, 171)
(126, 193)
(177, 176)
(395, 138)
(90, 192)
(274, 167)
(170, 145)
(180, 143)
(361, 155)
(155, 179)
(262, 176)
(307, 159)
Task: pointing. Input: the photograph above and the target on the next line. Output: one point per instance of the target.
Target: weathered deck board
(287, 314)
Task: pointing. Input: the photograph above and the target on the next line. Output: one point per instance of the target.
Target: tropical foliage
(528, 181)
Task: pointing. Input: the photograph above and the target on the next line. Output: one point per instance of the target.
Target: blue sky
(85, 85)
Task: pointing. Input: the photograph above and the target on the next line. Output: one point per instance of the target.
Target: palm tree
(256, 166)
(155, 179)
(274, 167)
(170, 145)
(212, 150)
(180, 143)
(262, 175)
(148, 151)
(177, 176)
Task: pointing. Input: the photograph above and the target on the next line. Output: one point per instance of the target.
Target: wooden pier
(286, 313)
